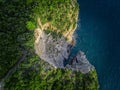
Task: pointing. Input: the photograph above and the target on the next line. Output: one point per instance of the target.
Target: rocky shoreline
(56, 51)
(80, 63)
(54, 48)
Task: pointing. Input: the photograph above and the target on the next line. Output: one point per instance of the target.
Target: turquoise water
(98, 35)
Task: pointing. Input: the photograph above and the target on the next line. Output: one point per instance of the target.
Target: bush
(30, 25)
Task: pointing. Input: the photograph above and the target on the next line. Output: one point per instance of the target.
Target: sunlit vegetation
(57, 13)
(30, 25)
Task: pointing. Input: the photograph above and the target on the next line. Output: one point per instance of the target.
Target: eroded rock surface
(56, 51)
(52, 50)
(80, 62)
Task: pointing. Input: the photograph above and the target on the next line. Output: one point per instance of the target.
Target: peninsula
(37, 38)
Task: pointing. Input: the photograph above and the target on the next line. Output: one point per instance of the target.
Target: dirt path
(12, 69)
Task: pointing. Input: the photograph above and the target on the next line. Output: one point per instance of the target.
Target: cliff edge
(53, 44)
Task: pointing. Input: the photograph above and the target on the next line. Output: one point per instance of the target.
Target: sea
(98, 35)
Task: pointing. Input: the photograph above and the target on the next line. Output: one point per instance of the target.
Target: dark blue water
(98, 35)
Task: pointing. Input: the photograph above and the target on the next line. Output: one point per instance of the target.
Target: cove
(98, 35)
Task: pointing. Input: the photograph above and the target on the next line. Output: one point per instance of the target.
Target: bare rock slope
(56, 51)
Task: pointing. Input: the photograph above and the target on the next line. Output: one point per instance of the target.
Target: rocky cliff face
(52, 50)
(80, 63)
(56, 52)
(55, 49)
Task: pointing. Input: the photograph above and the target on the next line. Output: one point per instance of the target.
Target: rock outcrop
(52, 50)
(80, 62)
(56, 52)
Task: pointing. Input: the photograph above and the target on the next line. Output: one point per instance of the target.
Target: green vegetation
(13, 32)
(53, 33)
(36, 74)
(17, 21)
(30, 25)
(58, 12)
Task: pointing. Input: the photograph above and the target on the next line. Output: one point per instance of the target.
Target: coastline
(46, 69)
(57, 50)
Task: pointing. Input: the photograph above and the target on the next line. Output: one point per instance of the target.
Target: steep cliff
(53, 44)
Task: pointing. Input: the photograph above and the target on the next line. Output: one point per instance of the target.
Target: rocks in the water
(80, 62)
